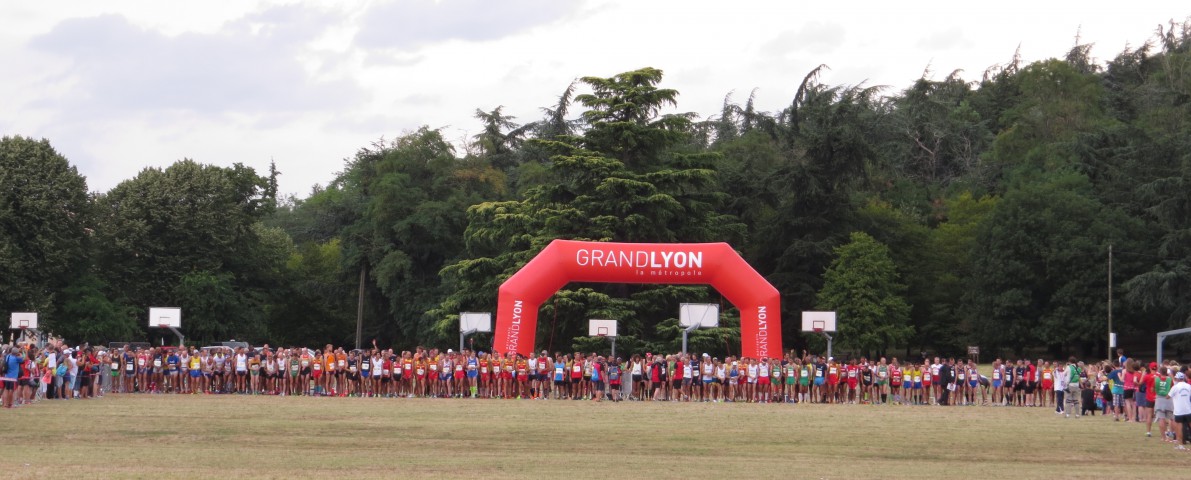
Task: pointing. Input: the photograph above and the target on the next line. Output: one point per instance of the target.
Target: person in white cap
(1180, 394)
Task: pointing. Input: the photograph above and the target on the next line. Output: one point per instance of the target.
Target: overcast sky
(117, 86)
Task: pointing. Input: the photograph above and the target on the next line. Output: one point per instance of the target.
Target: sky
(121, 85)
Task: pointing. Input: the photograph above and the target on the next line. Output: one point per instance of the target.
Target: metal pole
(614, 349)
(181, 338)
(828, 344)
(1110, 302)
(463, 335)
(1161, 337)
(360, 309)
(686, 331)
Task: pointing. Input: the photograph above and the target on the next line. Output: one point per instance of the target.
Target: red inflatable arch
(565, 261)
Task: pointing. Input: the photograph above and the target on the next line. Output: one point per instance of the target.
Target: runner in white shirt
(1180, 394)
(1060, 386)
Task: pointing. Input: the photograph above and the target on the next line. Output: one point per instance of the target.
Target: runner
(1073, 395)
(1047, 390)
(792, 366)
(1163, 405)
(1180, 395)
(12, 372)
(1131, 376)
(614, 379)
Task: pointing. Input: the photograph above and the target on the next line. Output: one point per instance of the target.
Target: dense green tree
(863, 287)
(413, 195)
(1039, 277)
(44, 227)
(827, 144)
(625, 179)
(188, 236)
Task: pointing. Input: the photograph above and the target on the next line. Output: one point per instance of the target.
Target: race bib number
(128, 367)
(352, 369)
(819, 373)
(421, 371)
(115, 365)
(140, 362)
(156, 363)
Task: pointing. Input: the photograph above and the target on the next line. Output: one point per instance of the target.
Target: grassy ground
(268, 437)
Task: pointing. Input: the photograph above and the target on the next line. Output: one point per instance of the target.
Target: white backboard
(824, 321)
(601, 328)
(168, 316)
(23, 320)
(706, 315)
(479, 321)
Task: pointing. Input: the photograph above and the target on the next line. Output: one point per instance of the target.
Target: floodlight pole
(686, 331)
(1162, 337)
(464, 334)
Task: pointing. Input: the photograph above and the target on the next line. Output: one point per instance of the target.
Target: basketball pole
(828, 337)
(181, 338)
(686, 331)
(463, 335)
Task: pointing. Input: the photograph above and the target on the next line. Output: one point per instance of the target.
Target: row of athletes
(432, 373)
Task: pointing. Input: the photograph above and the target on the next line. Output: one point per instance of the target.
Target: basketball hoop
(162, 325)
(818, 330)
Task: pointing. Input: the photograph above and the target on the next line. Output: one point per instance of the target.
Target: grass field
(267, 437)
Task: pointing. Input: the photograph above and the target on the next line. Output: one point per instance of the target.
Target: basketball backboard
(601, 328)
(706, 315)
(27, 320)
(165, 316)
(478, 321)
(821, 321)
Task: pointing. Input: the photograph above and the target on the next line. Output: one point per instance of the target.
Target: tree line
(945, 214)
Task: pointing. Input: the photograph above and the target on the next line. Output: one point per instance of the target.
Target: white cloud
(406, 24)
(251, 66)
(822, 37)
(123, 84)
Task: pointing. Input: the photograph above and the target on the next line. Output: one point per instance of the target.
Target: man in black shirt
(946, 376)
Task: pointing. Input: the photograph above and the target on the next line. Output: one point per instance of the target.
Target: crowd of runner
(1129, 390)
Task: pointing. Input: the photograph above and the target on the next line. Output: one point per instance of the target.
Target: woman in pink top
(1131, 378)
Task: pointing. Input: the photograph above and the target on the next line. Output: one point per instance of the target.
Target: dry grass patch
(269, 437)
